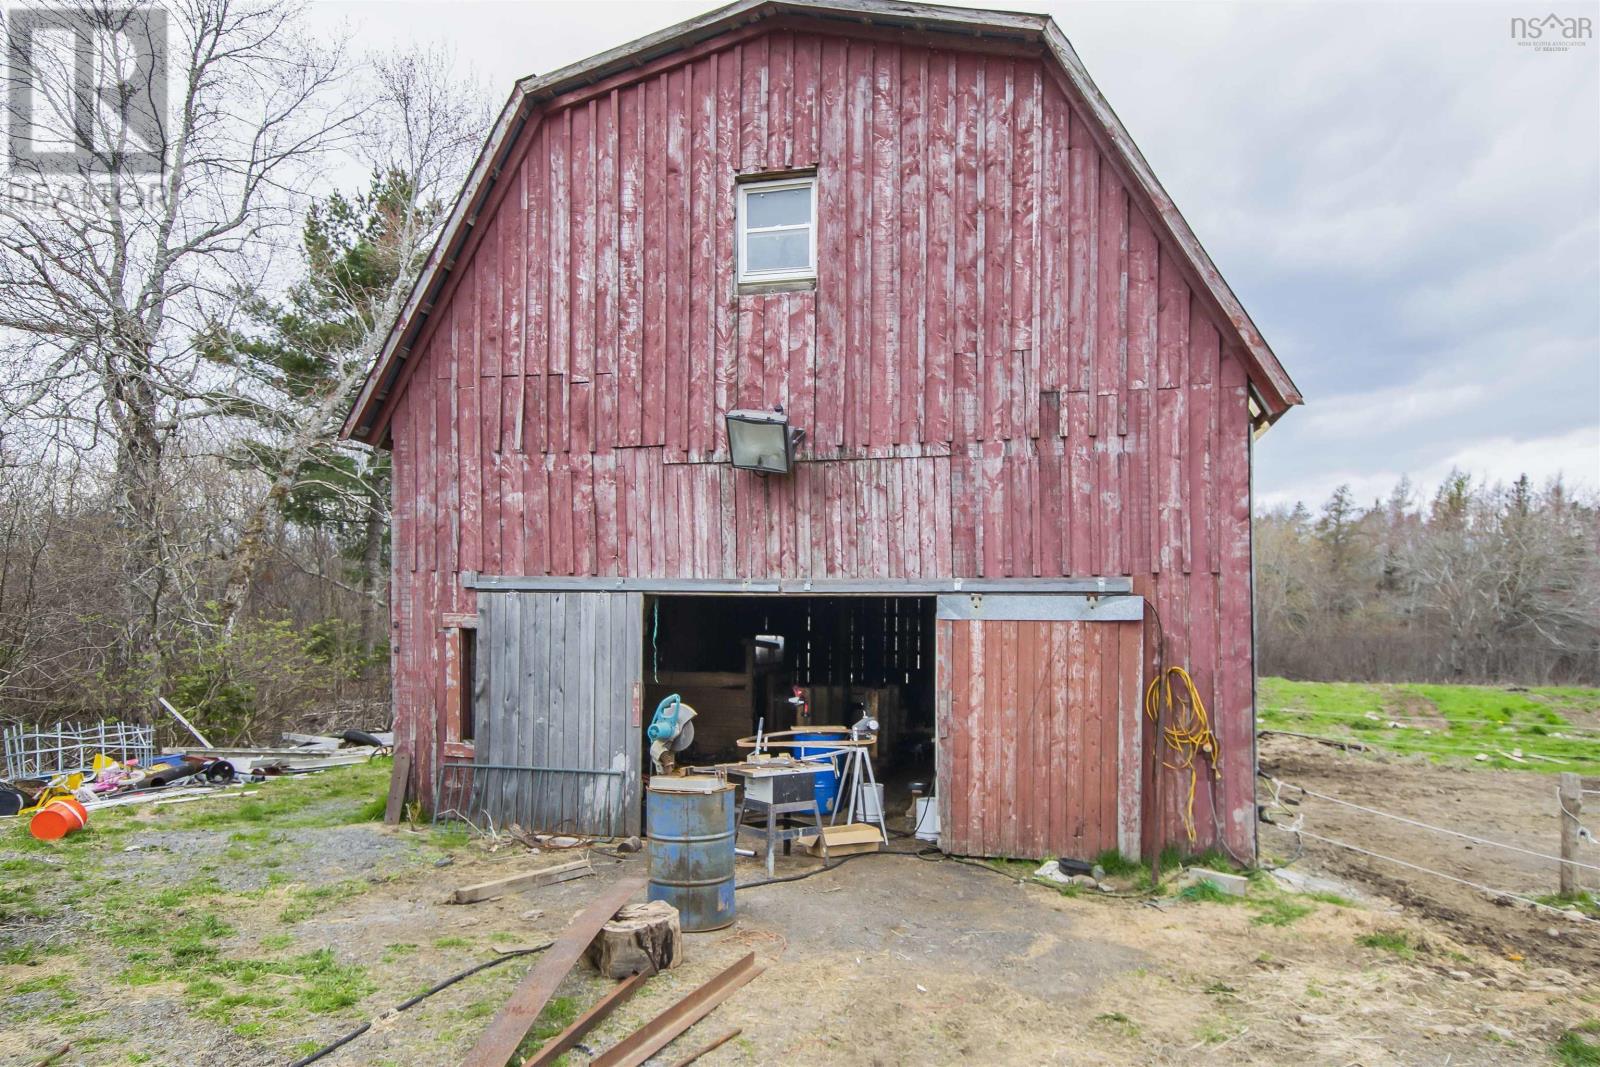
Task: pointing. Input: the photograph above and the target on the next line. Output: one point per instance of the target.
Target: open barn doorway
(738, 661)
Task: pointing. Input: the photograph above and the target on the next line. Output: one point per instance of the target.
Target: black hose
(418, 999)
(920, 854)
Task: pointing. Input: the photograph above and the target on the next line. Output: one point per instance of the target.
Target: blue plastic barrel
(691, 855)
(828, 780)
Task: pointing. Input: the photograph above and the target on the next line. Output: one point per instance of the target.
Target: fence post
(1570, 794)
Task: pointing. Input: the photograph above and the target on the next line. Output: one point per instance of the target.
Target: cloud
(1573, 456)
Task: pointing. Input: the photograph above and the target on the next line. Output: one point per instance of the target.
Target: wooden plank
(832, 254)
(1130, 749)
(656, 1034)
(510, 1025)
(399, 776)
(939, 284)
(480, 891)
(994, 260)
(1082, 256)
(882, 283)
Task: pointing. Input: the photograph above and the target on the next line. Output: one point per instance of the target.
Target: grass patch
(314, 981)
(335, 798)
(1205, 893)
(1279, 911)
(452, 942)
(1115, 1020)
(1216, 1030)
(1444, 722)
(1396, 942)
(556, 1017)
(311, 900)
(1115, 863)
(479, 1009)
(20, 955)
(1322, 896)
(1572, 1049)
(1585, 902)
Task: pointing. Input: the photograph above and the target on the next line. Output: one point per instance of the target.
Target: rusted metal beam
(569, 1037)
(656, 1034)
(715, 1043)
(510, 1026)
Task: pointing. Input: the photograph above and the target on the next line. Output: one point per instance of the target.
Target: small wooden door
(558, 739)
(1039, 737)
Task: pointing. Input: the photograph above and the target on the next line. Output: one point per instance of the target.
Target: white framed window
(777, 230)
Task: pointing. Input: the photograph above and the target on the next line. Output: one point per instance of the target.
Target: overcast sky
(1407, 202)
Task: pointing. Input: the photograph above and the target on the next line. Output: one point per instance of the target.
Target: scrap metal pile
(56, 777)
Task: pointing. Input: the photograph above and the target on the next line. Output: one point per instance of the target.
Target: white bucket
(927, 824)
(869, 803)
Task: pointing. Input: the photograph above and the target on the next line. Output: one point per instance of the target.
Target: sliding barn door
(558, 736)
(1039, 739)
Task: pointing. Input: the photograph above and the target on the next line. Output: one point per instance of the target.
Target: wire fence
(1436, 829)
(1298, 830)
(45, 753)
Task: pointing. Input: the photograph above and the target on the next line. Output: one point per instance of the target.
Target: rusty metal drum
(691, 855)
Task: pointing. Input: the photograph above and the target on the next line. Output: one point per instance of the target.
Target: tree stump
(641, 939)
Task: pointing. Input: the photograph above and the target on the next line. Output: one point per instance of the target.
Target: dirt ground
(898, 959)
(1516, 808)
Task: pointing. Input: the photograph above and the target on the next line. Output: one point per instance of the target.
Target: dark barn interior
(737, 660)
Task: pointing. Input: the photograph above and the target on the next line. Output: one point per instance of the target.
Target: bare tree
(423, 123)
(1484, 584)
(109, 268)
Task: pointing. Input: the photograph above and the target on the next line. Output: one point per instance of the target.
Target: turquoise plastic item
(664, 723)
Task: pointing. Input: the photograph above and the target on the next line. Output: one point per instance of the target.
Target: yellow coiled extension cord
(1187, 730)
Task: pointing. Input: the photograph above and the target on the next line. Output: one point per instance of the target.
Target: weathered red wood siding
(1005, 371)
(1041, 730)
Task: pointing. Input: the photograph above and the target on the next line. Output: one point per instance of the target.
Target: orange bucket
(58, 818)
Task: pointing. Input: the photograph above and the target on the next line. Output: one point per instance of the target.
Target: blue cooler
(828, 779)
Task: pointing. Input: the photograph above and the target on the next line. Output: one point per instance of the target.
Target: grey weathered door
(558, 734)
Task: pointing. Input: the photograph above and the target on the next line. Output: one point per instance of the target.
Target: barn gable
(716, 81)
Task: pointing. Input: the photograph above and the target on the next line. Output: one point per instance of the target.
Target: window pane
(788, 250)
(781, 207)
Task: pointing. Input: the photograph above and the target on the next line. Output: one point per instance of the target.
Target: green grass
(1572, 1049)
(334, 798)
(556, 1017)
(155, 930)
(1397, 942)
(1205, 893)
(1280, 911)
(1585, 902)
(1444, 722)
(314, 900)
(20, 955)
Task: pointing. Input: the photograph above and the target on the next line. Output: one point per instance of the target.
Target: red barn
(1026, 395)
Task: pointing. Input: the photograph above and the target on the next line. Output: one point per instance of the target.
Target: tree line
(1473, 583)
(178, 516)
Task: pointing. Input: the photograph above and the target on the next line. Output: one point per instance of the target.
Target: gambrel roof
(1274, 392)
